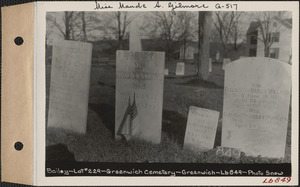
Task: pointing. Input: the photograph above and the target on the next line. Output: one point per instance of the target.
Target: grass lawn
(98, 144)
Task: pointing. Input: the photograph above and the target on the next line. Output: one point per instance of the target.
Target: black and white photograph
(150, 93)
(173, 91)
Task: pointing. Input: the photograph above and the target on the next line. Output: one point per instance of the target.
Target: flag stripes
(133, 112)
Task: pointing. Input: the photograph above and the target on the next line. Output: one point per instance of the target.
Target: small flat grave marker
(69, 86)
(201, 129)
(139, 95)
(180, 68)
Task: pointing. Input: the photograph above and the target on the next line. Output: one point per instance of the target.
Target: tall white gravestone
(180, 68)
(69, 86)
(256, 106)
(210, 66)
(201, 129)
(225, 62)
(166, 71)
(140, 78)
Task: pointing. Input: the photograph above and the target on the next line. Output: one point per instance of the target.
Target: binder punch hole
(19, 40)
(19, 146)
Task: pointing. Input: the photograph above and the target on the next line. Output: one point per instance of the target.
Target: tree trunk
(267, 51)
(204, 44)
(119, 30)
(184, 50)
(168, 50)
(67, 23)
(200, 21)
(83, 26)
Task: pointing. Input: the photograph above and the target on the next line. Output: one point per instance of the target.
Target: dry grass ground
(98, 144)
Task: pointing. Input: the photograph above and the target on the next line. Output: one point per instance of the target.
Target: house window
(275, 36)
(253, 40)
(274, 53)
(252, 52)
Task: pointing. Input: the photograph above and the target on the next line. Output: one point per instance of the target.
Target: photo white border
(41, 180)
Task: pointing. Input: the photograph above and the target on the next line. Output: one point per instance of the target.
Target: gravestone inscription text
(201, 129)
(69, 85)
(256, 106)
(140, 78)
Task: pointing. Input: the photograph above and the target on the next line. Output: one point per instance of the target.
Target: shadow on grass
(201, 83)
(173, 123)
(106, 113)
(59, 152)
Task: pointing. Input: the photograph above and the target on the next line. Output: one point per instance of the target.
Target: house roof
(286, 22)
(255, 24)
(252, 27)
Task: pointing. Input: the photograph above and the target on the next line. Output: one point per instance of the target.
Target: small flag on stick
(130, 124)
(134, 118)
(124, 128)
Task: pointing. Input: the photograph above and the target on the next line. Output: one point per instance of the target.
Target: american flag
(133, 112)
(134, 120)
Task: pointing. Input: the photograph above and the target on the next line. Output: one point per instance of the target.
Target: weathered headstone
(166, 72)
(210, 66)
(180, 68)
(201, 129)
(69, 86)
(256, 106)
(139, 85)
(225, 62)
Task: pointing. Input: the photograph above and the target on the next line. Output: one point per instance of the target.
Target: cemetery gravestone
(256, 106)
(180, 68)
(139, 80)
(225, 62)
(201, 129)
(69, 86)
(210, 66)
(166, 72)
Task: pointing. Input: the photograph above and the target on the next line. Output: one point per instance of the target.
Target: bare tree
(226, 24)
(75, 25)
(116, 24)
(238, 31)
(164, 26)
(186, 31)
(64, 23)
(267, 32)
